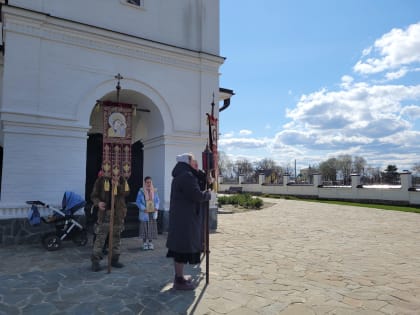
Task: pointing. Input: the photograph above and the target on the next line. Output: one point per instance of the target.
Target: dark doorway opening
(135, 181)
(93, 162)
(1, 166)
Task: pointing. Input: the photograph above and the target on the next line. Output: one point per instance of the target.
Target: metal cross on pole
(209, 162)
(115, 179)
(118, 87)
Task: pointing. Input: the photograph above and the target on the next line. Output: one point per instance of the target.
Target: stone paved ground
(292, 258)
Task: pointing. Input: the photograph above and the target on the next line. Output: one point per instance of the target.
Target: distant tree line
(337, 170)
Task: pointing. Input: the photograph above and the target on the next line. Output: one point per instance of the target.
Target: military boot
(115, 263)
(95, 265)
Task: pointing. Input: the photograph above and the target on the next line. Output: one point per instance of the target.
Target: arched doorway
(148, 122)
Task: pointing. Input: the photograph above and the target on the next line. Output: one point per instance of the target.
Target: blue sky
(317, 79)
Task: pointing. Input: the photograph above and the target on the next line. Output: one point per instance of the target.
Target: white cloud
(346, 81)
(229, 134)
(358, 110)
(405, 139)
(360, 120)
(396, 74)
(412, 111)
(374, 120)
(394, 49)
(245, 132)
(243, 143)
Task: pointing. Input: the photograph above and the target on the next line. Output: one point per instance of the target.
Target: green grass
(354, 204)
(244, 200)
(371, 205)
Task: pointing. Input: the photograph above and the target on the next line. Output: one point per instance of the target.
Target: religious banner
(213, 135)
(150, 206)
(116, 157)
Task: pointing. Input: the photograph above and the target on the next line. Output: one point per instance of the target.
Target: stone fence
(404, 194)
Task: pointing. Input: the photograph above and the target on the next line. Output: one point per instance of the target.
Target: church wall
(41, 166)
(191, 24)
(49, 94)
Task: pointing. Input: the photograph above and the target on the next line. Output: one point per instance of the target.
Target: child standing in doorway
(148, 203)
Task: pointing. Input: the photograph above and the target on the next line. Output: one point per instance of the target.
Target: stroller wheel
(51, 242)
(81, 238)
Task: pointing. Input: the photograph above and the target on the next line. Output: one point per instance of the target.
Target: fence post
(355, 181)
(317, 180)
(261, 178)
(406, 181)
(286, 179)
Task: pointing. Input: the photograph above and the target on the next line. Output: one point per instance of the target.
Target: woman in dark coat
(184, 241)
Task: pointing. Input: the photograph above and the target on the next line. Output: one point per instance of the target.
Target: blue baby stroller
(66, 224)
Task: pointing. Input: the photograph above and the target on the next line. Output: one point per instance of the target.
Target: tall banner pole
(206, 165)
(111, 226)
(209, 164)
(207, 242)
(116, 155)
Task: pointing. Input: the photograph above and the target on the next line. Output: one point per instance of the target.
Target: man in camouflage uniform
(101, 198)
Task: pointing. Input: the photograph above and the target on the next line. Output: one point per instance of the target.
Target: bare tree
(265, 164)
(371, 175)
(390, 174)
(244, 167)
(226, 166)
(231, 169)
(344, 164)
(328, 169)
(288, 169)
(416, 167)
(359, 164)
(222, 162)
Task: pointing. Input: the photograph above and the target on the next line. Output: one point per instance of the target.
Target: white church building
(59, 59)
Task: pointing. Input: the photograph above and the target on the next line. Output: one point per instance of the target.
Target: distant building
(59, 60)
(306, 174)
(272, 176)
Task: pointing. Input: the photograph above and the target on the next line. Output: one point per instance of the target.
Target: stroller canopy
(72, 202)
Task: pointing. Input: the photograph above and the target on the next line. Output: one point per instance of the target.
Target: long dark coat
(184, 235)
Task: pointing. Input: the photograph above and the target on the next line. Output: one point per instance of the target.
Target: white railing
(405, 193)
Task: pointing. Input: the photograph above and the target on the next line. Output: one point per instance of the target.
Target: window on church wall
(138, 3)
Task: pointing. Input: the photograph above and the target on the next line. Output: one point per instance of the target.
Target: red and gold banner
(213, 137)
(116, 157)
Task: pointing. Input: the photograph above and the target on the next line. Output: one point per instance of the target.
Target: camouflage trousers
(102, 231)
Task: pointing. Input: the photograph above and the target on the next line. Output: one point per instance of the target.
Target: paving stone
(294, 257)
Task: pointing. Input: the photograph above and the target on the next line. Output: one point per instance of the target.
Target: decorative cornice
(17, 115)
(55, 29)
(45, 129)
